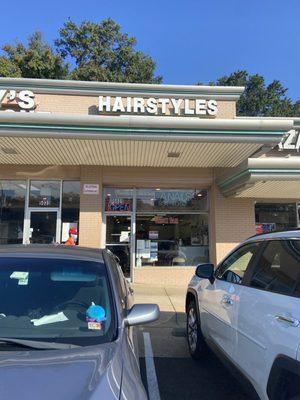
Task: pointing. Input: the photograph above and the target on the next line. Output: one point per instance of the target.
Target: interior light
(157, 189)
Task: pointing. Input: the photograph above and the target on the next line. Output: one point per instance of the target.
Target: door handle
(288, 320)
(227, 300)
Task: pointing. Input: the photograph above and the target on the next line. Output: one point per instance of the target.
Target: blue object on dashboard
(95, 313)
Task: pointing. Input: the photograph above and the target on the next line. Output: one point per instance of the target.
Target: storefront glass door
(43, 227)
(118, 239)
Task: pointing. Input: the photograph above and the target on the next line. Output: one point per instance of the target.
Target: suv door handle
(227, 300)
(289, 320)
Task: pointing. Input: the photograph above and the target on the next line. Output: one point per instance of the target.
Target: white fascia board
(121, 89)
(259, 169)
(274, 163)
(295, 119)
(147, 122)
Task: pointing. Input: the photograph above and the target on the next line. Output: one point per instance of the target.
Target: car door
(269, 311)
(218, 300)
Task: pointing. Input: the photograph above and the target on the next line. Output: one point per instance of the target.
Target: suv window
(234, 267)
(278, 269)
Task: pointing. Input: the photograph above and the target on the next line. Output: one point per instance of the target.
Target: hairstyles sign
(157, 106)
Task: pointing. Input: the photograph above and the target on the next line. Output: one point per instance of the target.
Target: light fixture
(157, 189)
(9, 150)
(173, 154)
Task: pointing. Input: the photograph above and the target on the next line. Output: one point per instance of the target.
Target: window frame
(113, 267)
(248, 273)
(264, 245)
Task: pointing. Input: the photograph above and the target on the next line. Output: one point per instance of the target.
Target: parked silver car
(66, 317)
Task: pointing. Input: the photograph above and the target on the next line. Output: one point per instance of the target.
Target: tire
(195, 339)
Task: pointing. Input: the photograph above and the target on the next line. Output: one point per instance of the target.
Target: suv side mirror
(206, 271)
(142, 314)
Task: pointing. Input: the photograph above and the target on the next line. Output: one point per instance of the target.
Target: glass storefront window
(44, 194)
(275, 216)
(118, 229)
(118, 239)
(70, 207)
(171, 200)
(12, 204)
(172, 240)
(118, 200)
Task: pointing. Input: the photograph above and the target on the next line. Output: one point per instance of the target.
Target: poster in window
(153, 235)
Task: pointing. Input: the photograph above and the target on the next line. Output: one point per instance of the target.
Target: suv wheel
(196, 343)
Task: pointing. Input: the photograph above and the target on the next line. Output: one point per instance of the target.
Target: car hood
(86, 373)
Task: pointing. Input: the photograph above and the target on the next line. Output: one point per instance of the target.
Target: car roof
(291, 234)
(52, 251)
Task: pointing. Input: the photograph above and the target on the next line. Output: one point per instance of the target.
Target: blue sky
(190, 40)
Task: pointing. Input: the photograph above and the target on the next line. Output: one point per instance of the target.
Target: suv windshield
(47, 299)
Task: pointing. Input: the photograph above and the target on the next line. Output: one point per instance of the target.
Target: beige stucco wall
(78, 104)
(39, 172)
(158, 177)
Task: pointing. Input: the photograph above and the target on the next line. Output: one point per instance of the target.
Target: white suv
(248, 310)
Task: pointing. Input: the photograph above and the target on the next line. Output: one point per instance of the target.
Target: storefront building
(164, 176)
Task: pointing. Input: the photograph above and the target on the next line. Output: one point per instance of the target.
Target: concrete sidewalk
(169, 298)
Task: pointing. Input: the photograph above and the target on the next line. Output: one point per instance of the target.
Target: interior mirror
(206, 271)
(142, 314)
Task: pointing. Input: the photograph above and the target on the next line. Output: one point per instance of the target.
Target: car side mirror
(142, 314)
(206, 271)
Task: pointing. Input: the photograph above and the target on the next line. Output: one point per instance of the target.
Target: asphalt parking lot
(168, 371)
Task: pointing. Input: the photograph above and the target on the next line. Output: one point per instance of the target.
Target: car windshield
(57, 300)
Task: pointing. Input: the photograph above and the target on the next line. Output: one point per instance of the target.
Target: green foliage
(258, 98)
(36, 60)
(97, 52)
(9, 68)
(103, 53)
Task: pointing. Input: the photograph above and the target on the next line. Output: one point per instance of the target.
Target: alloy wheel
(192, 329)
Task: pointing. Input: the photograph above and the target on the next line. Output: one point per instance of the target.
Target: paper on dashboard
(50, 319)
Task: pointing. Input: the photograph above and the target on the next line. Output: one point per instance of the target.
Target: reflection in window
(234, 267)
(275, 216)
(44, 194)
(171, 200)
(279, 268)
(12, 203)
(172, 239)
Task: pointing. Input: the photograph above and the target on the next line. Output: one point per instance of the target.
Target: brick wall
(176, 276)
(232, 221)
(90, 218)
(79, 104)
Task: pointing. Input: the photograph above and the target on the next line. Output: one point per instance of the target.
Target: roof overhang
(83, 88)
(274, 177)
(72, 139)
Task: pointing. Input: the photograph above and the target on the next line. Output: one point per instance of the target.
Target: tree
(258, 98)
(9, 68)
(101, 52)
(36, 60)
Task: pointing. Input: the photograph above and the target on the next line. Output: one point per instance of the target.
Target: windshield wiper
(35, 344)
